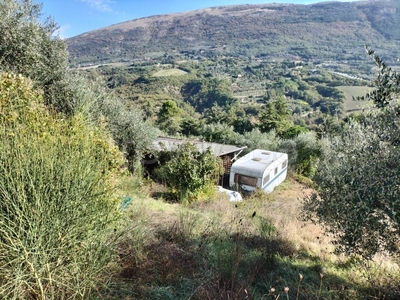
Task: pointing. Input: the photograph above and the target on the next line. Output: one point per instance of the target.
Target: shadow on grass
(166, 196)
(236, 266)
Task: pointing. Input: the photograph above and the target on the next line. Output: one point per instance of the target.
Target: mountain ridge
(313, 31)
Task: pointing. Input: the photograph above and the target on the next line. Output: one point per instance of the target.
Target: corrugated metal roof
(169, 144)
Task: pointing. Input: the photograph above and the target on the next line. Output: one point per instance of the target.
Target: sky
(78, 16)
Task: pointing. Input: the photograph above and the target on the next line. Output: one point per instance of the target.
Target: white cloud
(101, 5)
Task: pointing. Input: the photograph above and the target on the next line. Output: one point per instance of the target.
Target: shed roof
(169, 144)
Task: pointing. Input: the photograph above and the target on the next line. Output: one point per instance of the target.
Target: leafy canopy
(358, 178)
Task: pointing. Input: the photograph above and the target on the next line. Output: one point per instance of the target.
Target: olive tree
(387, 82)
(358, 178)
(132, 134)
(29, 47)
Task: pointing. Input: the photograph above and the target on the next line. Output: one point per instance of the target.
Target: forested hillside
(82, 216)
(333, 31)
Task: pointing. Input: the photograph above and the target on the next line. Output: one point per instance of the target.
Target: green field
(169, 72)
(354, 91)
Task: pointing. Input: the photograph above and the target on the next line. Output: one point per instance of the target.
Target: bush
(190, 171)
(304, 152)
(358, 180)
(56, 208)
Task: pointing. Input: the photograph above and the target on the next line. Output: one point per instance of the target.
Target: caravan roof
(256, 162)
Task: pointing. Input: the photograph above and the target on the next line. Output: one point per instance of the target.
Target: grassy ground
(354, 91)
(257, 249)
(170, 72)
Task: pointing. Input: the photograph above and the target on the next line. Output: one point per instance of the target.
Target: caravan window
(284, 164)
(245, 180)
(276, 170)
(265, 180)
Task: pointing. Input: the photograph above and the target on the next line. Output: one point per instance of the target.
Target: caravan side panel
(275, 174)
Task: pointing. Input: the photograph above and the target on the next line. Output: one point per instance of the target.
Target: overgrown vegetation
(70, 152)
(252, 250)
(189, 171)
(58, 214)
(358, 176)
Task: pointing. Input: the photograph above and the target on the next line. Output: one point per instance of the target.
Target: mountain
(324, 31)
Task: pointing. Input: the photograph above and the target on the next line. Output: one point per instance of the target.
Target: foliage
(28, 47)
(358, 179)
(191, 127)
(131, 133)
(256, 139)
(304, 152)
(276, 115)
(387, 83)
(332, 100)
(205, 93)
(232, 115)
(168, 117)
(219, 133)
(294, 131)
(358, 192)
(189, 171)
(58, 216)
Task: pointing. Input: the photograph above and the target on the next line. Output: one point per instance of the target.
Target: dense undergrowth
(65, 147)
(58, 213)
(257, 249)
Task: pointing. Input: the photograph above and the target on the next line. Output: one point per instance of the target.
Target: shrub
(358, 180)
(56, 208)
(304, 152)
(189, 171)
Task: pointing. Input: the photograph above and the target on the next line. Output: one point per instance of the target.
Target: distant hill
(335, 31)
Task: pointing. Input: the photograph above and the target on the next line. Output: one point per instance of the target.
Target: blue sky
(78, 16)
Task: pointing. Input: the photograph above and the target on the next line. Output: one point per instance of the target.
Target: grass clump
(59, 220)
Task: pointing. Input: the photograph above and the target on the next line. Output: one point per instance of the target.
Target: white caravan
(259, 169)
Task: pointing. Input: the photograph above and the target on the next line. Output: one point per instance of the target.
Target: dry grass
(284, 212)
(220, 250)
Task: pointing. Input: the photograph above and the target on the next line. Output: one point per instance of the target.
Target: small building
(228, 153)
(261, 169)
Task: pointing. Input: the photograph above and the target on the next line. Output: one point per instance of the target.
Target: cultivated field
(170, 72)
(354, 91)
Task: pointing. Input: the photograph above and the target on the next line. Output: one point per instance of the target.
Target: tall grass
(221, 250)
(57, 215)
